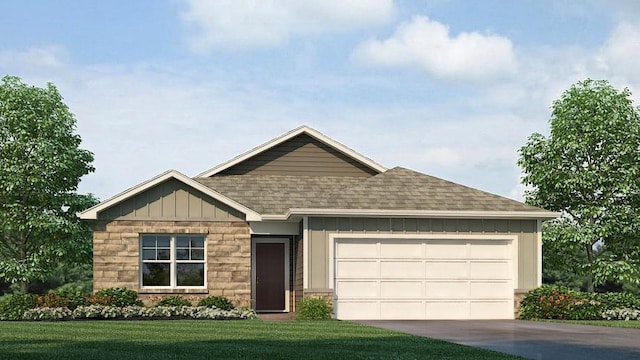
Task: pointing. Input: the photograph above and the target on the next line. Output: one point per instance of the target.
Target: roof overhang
(92, 213)
(539, 215)
(291, 134)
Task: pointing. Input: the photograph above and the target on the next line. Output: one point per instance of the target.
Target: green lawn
(201, 339)
(631, 324)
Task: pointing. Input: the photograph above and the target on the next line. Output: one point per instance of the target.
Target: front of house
(303, 215)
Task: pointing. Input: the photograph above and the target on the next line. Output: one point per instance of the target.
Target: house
(303, 215)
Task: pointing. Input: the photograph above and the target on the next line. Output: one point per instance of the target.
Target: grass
(631, 324)
(198, 339)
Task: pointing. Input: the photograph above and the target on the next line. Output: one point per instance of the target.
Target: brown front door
(270, 287)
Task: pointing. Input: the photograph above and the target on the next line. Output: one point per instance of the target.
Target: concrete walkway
(529, 339)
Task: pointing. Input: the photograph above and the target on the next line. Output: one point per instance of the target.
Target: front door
(270, 270)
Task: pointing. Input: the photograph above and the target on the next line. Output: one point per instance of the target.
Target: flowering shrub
(136, 312)
(621, 314)
(52, 300)
(554, 302)
(120, 296)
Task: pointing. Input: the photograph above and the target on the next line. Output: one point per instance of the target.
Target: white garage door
(423, 279)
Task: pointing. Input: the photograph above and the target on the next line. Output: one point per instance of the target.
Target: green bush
(13, 306)
(173, 301)
(120, 297)
(557, 302)
(314, 309)
(219, 302)
(77, 294)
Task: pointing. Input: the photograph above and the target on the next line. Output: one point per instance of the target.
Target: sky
(449, 88)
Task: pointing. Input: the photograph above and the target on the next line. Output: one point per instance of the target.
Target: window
(173, 260)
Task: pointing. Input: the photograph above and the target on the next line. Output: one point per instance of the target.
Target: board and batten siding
(301, 156)
(171, 200)
(321, 228)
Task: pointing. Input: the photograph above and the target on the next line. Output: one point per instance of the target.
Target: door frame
(287, 291)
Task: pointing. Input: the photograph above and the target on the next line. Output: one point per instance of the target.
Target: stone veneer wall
(116, 255)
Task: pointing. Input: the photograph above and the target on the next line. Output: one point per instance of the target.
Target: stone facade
(116, 255)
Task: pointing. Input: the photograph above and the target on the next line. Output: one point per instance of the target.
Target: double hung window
(173, 260)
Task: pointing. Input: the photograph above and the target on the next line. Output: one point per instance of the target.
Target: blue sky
(449, 88)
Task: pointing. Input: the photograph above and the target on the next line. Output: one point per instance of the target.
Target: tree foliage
(588, 168)
(41, 164)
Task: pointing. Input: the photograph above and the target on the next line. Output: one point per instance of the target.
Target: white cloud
(428, 44)
(256, 23)
(39, 57)
(621, 52)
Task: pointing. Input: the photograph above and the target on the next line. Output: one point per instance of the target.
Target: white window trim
(172, 261)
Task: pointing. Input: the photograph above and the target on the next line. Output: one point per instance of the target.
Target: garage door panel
(357, 249)
(447, 290)
(358, 289)
(447, 310)
(349, 269)
(490, 269)
(401, 289)
(442, 249)
(492, 309)
(357, 310)
(402, 310)
(489, 249)
(401, 269)
(447, 269)
(412, 250)
(490, 290)
(423, 279)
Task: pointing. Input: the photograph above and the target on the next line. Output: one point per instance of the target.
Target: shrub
(97, 299)
(613, 300)
(75, 292)
(52, 300)
(314, 309)
(219, 302)
(173, 301)
(120, 296)
(12, 307)
(621, 314)
(547, 302)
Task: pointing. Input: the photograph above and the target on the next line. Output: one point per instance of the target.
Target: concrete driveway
(529, 339)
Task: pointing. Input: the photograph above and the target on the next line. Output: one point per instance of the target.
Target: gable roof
(394, 193)
(287, 136)
(92, 213)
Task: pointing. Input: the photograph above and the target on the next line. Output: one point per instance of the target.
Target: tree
(41, 164)
(589, 169)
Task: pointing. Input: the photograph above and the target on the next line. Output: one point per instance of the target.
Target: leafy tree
(589, 169)
(41, 164)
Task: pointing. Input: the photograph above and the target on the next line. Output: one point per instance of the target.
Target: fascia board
(92, 213)
(291, 134)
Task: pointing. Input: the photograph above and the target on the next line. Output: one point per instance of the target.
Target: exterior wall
(116, 255)
(321, 228)
(171, 200)
(302, 155)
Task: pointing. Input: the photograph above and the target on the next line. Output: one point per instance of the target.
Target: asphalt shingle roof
(395, 189)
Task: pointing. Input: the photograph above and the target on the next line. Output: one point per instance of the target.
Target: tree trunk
(590, 286)
(24, 287)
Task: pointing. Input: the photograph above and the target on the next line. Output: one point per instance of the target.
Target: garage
(423, 277)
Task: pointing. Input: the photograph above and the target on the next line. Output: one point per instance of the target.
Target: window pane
(182, 241)
(149, 254)
(197, 242)
(149, 241)
(156, 274)
(164, 241)
(182, 254)
(190, 274)
(197, 254)
(164, 254)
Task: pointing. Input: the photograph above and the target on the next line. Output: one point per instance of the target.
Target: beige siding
(171, 200)
(302, 155)
(320, 228)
